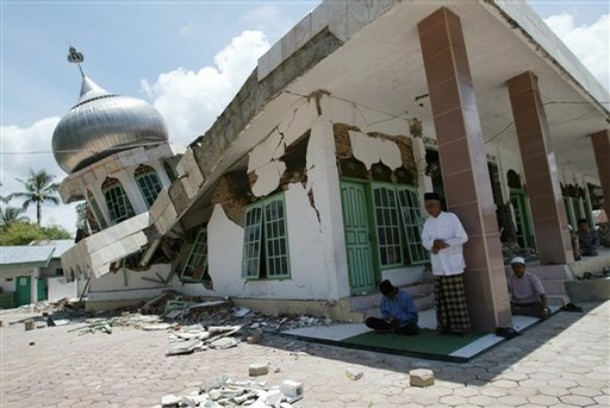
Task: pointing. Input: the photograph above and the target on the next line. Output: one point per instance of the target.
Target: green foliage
(39, 187)
(22, 233)
(9, 215)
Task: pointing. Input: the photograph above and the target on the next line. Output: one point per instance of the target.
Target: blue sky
(186, 58)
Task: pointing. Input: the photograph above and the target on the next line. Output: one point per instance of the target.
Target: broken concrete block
(29, 325)
(421, 377)
(224, 343)
(183, 347)
(292, 389)
(257, 369)
(353, 374)
(170, 400)
(271, 398)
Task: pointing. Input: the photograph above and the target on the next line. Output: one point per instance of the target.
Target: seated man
(526, 292)
(398, 310)
(588, 239)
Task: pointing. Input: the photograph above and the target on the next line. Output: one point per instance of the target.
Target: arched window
(148, 183)
(118, 204)
(99, 218)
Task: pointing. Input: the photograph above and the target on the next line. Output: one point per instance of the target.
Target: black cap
(432, 196)
(386, 287)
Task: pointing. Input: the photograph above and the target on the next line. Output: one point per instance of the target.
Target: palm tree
(39, 187)
(10, 215)
(3, 199)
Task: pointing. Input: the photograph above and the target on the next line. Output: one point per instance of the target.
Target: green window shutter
(148, 183)
(197, 263)
(118, 204)
(98, 214)
(276, 239)
(412, 223)
(387, 225)
(252, 241)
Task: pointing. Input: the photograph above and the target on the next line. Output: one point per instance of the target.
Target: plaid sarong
(451, 309)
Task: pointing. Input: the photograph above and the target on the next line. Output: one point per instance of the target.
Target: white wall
(59, 288)
(112, 286)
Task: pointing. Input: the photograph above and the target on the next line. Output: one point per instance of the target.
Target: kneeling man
(526, 292)
(398, 310)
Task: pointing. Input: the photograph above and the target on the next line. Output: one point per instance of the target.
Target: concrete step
(557, 300)
(363, 302)
(554, 287)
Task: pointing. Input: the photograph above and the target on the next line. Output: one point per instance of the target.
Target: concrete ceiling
(381, 67)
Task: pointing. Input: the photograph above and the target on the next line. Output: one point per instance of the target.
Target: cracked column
(464, 166)
(601, 147)
(540, 168)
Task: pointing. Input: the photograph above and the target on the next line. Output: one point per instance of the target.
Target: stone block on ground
(292, 390)
(257, 369)
(353, 374)
(170, 400)
(421, 377)
(29, 325)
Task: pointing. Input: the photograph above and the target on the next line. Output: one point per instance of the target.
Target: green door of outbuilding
(43, 293)
(23, 290)
(357, 238)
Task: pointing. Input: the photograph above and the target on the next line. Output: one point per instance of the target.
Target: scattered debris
(292, 390)
(421, 377)
(224, 392)
(32, 343)
(29, 325)
(353, 374)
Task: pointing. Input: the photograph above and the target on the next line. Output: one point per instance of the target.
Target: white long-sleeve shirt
(447, 226)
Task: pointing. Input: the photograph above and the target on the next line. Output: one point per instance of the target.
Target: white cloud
(590, 43)
(30, 148)
(268, 19)
(190, 101)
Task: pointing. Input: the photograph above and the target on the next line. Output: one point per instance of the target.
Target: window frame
(266, 240)
(148, 183)
(200, 244)
(120, 193)
(406, 253)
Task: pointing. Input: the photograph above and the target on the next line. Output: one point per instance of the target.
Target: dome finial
(75, 57)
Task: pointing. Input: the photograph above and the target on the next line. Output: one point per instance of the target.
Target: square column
(540, 168)
(601, 147)
(464, 166)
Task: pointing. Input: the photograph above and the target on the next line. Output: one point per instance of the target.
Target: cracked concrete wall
(371, 150)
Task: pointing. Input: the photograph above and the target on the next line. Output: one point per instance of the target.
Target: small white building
(33, 273)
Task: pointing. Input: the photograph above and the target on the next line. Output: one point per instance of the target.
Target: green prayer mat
(428, 343)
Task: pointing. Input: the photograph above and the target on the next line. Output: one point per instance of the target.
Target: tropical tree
(22, 233)
(9, 215)
(39, 187)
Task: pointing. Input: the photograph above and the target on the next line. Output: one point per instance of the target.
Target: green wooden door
(357, 238)
(43, 293)
(524, 235)
(23, 290)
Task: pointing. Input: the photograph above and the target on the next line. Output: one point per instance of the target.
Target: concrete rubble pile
(194, 323)
(224, 392)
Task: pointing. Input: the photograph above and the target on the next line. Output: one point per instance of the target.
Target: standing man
(526, 292)
(444, 236)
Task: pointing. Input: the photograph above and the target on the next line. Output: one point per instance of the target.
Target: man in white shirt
(444, 236)
(526, 292)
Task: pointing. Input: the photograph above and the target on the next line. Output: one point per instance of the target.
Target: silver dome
(101, 124)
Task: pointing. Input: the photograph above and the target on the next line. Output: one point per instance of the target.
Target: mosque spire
(75, 57)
